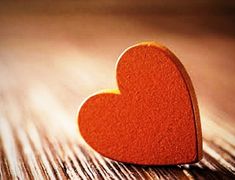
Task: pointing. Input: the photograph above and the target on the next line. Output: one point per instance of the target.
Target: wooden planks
(45, 74)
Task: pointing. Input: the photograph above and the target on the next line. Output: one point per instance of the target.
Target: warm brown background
(53, 54)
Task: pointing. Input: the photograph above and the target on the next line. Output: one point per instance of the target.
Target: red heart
(153, 118)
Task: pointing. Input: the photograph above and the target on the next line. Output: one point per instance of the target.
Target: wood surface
(49, 63)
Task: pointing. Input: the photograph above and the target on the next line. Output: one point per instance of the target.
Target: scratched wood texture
(50, 62)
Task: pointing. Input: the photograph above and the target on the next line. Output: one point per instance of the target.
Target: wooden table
(49, 63)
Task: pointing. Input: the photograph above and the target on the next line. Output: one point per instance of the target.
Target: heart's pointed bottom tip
(156, 162)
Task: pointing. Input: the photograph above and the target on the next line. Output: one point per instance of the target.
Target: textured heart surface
(152, 118)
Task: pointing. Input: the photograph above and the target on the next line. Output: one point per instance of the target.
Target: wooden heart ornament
(153, 117)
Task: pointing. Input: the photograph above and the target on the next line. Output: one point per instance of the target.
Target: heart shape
(153, 119)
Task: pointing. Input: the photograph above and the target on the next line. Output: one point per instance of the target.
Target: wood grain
(50, 63)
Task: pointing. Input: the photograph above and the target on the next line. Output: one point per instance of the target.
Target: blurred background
(53, 54)
(76, 43)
